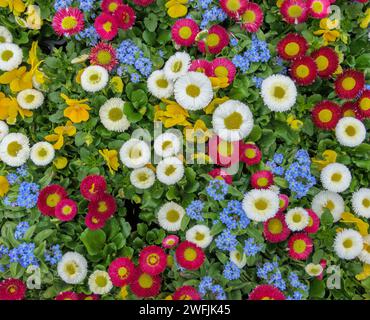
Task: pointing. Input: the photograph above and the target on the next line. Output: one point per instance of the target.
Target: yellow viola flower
(60, 162)
(77, 111)
(169, 297)
(365, 273)
(176, 8)
(59, 132)
(18, 79)
(294, 123)
(215, 103)
(16, 6)
(361, 225)
(4, 186)
(173, 115)
(33, 20)
(330, 156)
(111, 158)
(219, 82)
(117, 84)
(9, 109)
(327, 32)
(197, 133)
(364, 22)
(34, 62)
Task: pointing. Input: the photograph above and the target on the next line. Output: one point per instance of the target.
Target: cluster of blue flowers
(206, 286)
(21, 229)
(275, 164)
(258, 52)
(53, 255)
(231, 271)
(217, 189)
(226, 241)
(212, 15)
(194, 210)
(257, 81)
(233, 215)
(24, 255)
(60, 4)
(86, 5)
(251, 248)
(271, 273)
(298, 286)
(89, 35)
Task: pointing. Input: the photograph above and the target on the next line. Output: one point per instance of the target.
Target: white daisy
(135, 153)
(279, 92)
(297, 219)
(30, 99)
(159, 86)
(364, 256)
(200, 235)
(336, 177)
(100, 282)
(4, 130)
(239, 259)
(193, 91)
(170, 216)
(328, 200)
(350, 132)
(112, 115)
(170, 170)
(142, 178)
(11, 56)
(260, 205)
(314, 270)
(232, 121)
(94, 78)
(348, 244)
(361, 202)
(14, 149)
(177, 65)
(167, 144)
(72, 268)
(42, 153)
(5, 35)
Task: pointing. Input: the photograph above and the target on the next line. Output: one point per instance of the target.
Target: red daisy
(189, 255)
(49, 197)
(143, 3)
(104, 55)
(121, 271)
(152, 260)
(303, 70)
(363, 104)
(262, 179)
(67, 295)
(283, 202)
(313, 222)
(201, 65)
(294, 11)
(68, 21)
(275, 229)
(92, 187)
(66, 210)
(106, 26)
(318, 8)
(105, 206)
(125, 17)
(349, 84)
(326, 114)
(250, 154)
(184, 32)
(266, 292)
(219, 173)
(94, 221)
(252, 17)
(223, 153)
(170, 241)
(12, 289)
(223, 68)
(351, 109)
(111, 6)
(186, 293)
(292, 46)
(216, 39)
(326, 60)
(83, 296)
(145, 285)
(300, 246)
(233, 8)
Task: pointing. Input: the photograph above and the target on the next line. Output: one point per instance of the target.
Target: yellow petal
(177, 11)
(60, 162)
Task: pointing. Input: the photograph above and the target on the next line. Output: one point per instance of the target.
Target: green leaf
(93, 240)
(327, 218)
(317, 289)
(44, 234)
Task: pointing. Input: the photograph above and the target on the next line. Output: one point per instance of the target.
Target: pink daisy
(152, 260)
(170, 241)
(92, 187)
(275, 229)
(125, 17)
(252, 17)
(201, 65)
(68, 21)
(111, 6)
(66, 210)
(266, 292)
(300, 246)
(67, 295)
(283, 202)
(313, 222)
(121, 271)
(94, 221)
(184, 32)
(189, 255)
(262, 179)
(186, 293)
(104, 55)
(106, 26)
(216, 39)
(294, 11)
(318, 8)
(223, 68)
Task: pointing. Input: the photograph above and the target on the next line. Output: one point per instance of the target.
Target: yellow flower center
(167, 144)
(291, 49)
(142, 177)
(295, 11)
(101, 281)
(364, 104)
(94, 78)
(233, 121)
(347, 243)
(69, 23)
(152, 259)
(302, 71)
(348, 83)
(261, 204)
(185, 32)
(13, 148)
(7, 55)
(296, 218)
(275, 226)
(249, 16)
(115, 114)
(52, 200)
(193, 90)
(185, 297)
(221, 72)
(172, 216)
(122, 273)
(225, 148)
(366, 203)
(112, 7)
(66, 210)
(349, 113)
(329, 205)
(279, 92)
(310, 221)
(317, 7)
(250, 153)
(322, 63)
(107, 26)
(170, 170)
(42, 153)
(325, 115)
(233, 5)
(212, 40)
(262, 182)
(145, 281)
(299, 246)
(71, 268)
(102, 206)
(12, 289)
(104, 57)
(199, 236)
(190, 254)
(267, 298)
(2, 39)
(29, 98)
(134, 153)
(351, 131)
(162, 83)
(177, 66)
(336, 177)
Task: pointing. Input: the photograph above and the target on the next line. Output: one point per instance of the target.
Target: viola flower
(189, 255)
(303, 70)
(125, 17)
(104, 55)
(66, 210)
(250, 154)
(363, 104)
(262, 179)
(223, 153)
(144, 285)
(313, 222)
(49, 198)
(318, 9)
(283, 202)
(217, 38)
(111, 6)
(152, 260)
(219, 173)
(326, 60)
(67, 295)
(201, 65)
(223, 68)
(105, 206)
(266, 292)
(326, 114)
(92, 187)
(292, 46)
(300, 246)
(94, 221)
(275, 229)
(170, 241)
(68, 21)
(351, 109)
(184, 32)
(106, 26)
(186, 293)
(143, 3)
(12, 289)
(252, 17)
(294, 11)
(349, 84)
(121, 271)
(233, 8)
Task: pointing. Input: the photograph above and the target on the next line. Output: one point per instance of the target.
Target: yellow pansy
(215, 103)
(60, 162)
(294, 123)
(4, 186)
(365, 273)
(33, 20)
(68, 130)
(117, 84)
(219, 82)
(16, 6)
(77, 111)
(327, 32)
(330, 156)
(35, 63)
(173, 115)
(111, 158)
(199, 132)
(176, 8)
(18, 79)
(364, 22)
(361, 225)
(9, 109)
